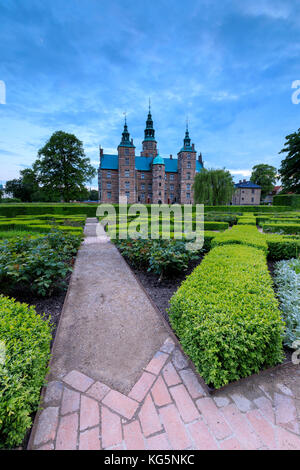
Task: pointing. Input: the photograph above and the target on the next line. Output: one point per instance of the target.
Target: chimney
(240, 181)
(171, 157)
(101, 151)
(244, 181)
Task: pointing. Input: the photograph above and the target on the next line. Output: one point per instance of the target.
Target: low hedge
(38, 226)
(226, 315)
(25, 339)
(292, 200)
(289, 228)
(241, 234)
(282, 247)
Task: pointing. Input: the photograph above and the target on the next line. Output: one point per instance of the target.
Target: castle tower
(149, 143)
(186, 170)
(158, 180)
(126, 163)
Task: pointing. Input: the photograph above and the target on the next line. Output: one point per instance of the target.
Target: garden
(234, 304)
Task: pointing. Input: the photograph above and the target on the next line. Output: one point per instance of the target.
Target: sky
(77, 65)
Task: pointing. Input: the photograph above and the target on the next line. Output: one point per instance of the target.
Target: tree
(93, 195)
(25, 187)
(213, 187)
(265, 176)
(62, 167)
(290, 166)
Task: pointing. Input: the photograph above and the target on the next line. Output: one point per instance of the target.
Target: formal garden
(234, 305)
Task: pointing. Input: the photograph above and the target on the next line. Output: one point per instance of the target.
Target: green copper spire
(187, 140)
(126, 142)
(149, 131)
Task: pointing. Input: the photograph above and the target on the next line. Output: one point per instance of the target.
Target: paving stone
(221, 401)
(157, 362)
(265, 407)
(133, 436)
(170, 375)
(192, 384)
(123, 405)
(53, 393)
(242, 430)
(287, 440)
(214, 418)
(49, 446)
(70, 401)
(47, 424)
(67, 432)
(262, 428)
(78, 380)
(184, 403)
(89, 439)
(201, 436)
(98, 391)
(111, 429)
(89, 413)
(158, 442)
(241, 402)
(178, 359)
(285, 389)
(286, 413)
(175, 429)
(168, 346)
(149, 418)
(160, 393)
(141, 388)
(231, 444)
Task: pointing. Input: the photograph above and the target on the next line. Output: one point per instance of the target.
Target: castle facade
(148, 178)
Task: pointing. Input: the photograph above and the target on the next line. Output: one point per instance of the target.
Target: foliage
(26, 339)
(292, 200)
(213, 187)
(163, 257)
(287, 281)
(62, 168)
(241, 234)
(38, 265)
(265, 176)
(282, 247)
(290, 167)
(226, 315)
(287, 228)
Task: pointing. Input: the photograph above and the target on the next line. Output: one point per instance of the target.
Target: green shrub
(226, 315)
(292, 200)
(241, 234)
(282, 247)
(289, 229)
(37, 264)
(25, 339)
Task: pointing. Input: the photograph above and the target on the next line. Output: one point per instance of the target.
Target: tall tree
(62, 167)
(264, 175)
(213, 187)
(25, 187)
(290, 166)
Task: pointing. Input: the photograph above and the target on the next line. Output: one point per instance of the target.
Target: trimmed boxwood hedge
(289, 228)
(227, 317)
(241, 234)
(292, 200)
(25, 345)
(282, 247)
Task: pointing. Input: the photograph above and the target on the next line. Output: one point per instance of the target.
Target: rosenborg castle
(148, 178)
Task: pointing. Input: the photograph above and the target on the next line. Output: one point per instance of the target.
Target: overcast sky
(77, 65)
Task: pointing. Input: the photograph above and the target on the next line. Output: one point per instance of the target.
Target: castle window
(150, 186)
(142, 176)
(188, 195)
(159, 193)
(127, 184)
(108, 195)
(126, 161)
(108, 185)
(126, 151)
(142, 186)
(188, 175)
(127, 193)
(108, 174)
(127, 173)
(159, 184)
(252, 199)
(189, 164)
(188, 186)
(172, 177)
(171, 187)
(188, 156)
(252, 191)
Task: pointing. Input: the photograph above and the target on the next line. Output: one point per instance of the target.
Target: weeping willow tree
(213, 187)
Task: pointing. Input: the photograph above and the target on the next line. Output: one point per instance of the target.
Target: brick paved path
(168, 408)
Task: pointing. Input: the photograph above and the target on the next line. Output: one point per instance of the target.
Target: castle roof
(247, 184)
(110, 162)
(158, 160)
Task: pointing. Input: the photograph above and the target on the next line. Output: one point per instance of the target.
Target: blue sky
(77, 65)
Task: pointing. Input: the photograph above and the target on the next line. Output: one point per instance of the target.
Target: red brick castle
(148, 178)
